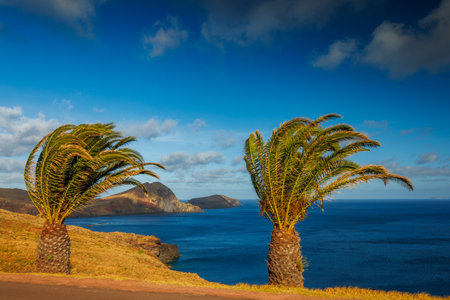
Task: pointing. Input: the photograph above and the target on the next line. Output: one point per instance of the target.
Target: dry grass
(92, 253)
(340, 292)
(96, 256)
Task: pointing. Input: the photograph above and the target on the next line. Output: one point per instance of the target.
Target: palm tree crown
(304, 163)
(76, 164)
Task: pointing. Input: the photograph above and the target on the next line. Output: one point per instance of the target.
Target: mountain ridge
(160, 199)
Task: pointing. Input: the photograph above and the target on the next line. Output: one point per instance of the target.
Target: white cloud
(168, 126)
(8, 165)
(427, 158)
(214, 178)
(205, 176)
(19, 134)
(13, 180)
(197, 125)
(8, 115)
(152, 128)
(203, 158)
(237, 160)
(403, 51)
(224, 139)
(74, 13)
(338, 52)
(168, 36)
(416, 171)
(245, 23)
(176, 160)
(182, 160)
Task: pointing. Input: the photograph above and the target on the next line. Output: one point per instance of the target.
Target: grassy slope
(94, 255)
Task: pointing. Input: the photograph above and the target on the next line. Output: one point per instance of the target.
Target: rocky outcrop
(151, 244)
(215, 201)
(160, 199)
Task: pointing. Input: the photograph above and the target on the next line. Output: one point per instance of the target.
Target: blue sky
(192, 80)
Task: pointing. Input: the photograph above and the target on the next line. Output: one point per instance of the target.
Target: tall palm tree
(302, 164)
(68, 168)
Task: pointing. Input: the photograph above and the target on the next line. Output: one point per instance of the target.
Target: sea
(401, 245)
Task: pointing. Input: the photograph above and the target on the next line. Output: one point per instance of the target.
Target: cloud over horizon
(427, 158)
(197, 125)
(18, 133)
(416, 171)
(152, 128)
(11, 165)
(183, 160)
(224, 139)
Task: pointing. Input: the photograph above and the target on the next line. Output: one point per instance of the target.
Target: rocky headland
(215, 202)
(160, 199)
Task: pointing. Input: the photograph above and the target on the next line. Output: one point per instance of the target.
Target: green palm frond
(303, 164)
(74, 164)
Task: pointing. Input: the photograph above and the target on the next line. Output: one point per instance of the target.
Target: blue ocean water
(389, 245)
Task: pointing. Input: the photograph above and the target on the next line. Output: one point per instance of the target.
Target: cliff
(160, 199)
(215, 201)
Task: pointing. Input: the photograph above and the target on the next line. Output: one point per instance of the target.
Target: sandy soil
(29, 286)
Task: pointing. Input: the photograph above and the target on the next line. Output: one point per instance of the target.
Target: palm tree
(68, 168)
(302, 164)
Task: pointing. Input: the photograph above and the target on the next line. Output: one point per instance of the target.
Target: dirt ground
(37, 287)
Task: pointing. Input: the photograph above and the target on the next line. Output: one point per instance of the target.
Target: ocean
(399, 245)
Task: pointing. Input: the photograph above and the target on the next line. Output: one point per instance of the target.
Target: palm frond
(74, 164)
(303, 164)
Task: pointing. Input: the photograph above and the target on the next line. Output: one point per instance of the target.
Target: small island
(215, 202)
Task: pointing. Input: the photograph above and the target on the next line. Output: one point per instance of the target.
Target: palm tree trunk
(53, 252)
(284, 258)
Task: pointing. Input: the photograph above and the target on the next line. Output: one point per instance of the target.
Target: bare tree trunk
(284, 258)
(53, 252)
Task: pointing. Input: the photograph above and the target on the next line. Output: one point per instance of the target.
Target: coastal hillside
(114, 254)
(214, 202)
(17, 200)
(160, 199)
